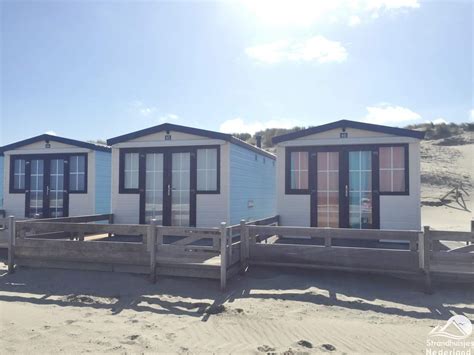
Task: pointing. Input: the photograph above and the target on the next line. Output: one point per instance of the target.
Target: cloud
(238, 125)
(354, 21)
(386, 113)
(168, 117)
(317, 48)
(305, 13)
(472, 114)
(440, 121)
(51, 133)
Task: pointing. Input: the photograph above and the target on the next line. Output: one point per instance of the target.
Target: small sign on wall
(167, 137)
(343, 135)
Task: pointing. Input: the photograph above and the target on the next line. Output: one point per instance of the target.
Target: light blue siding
(252, 182)
(103, 171)
(2, 179)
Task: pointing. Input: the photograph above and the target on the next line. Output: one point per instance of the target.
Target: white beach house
(349, 174)
(49, 176)
(185, 176)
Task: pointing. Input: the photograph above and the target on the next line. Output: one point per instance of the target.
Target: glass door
(46, 188)
(154, 188)
(35, 189)
(55, 190)
(167, 185)
(180, 189)
(360, 190)
(344, 187)
(327, 184)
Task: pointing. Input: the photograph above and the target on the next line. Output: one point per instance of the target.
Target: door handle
(169, 190)
(47, 190)
(347, 191)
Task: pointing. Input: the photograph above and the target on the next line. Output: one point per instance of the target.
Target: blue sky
(94, 70)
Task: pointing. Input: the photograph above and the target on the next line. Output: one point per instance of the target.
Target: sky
(97, 69)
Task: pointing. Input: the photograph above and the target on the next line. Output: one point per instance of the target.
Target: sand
(52, 311)
(267, 311)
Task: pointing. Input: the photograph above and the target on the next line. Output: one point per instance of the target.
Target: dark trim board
(47, 137)
(169, 127)
(350, 124)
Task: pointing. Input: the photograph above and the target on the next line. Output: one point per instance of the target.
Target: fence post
(223, 256)
(11, 244)
(111, 221)
(472, 230)
(424, 257)
(243, 247)
(152, 247)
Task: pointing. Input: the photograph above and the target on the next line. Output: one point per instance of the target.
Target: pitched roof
(350, 124)
(49, 137)
(189, 130)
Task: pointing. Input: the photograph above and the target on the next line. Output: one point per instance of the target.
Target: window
(207, 170)
(17, 175)
(77, 174)
(393, 172)
(298, 171)
(130, 170)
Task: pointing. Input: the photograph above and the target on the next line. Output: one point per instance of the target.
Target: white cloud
(439, 121)
(304, 13)
(354, 21)
(472, 115)
(238, 125)
(51, 133)
(389, 114)
(317, 48)
(168, 117)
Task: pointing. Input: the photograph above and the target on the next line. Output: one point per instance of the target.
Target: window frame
(123, 151)
(288, 189)
(86, 173)
(11, 174)
(218, 171)
(406, 192)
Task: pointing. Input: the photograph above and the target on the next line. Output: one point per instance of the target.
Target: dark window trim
(142, 151)
(122, 152)
(288, 189)
(28, 157)
(342, 148)
(217, 191)
(407, 173)
(86, 172)
(11, 177)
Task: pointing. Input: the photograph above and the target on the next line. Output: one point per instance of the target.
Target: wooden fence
(221, 252)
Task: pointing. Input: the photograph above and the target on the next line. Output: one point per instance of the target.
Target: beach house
(349, 174)
(49, 176)
(183, 176)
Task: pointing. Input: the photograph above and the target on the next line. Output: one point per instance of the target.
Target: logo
(457, 327)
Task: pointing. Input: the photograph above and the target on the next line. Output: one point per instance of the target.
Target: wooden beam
(243, 246)
(152, 244)
(223, 256)
(11, 244)
(424, 250)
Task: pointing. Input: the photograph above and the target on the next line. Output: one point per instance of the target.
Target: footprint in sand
(305, 344)
(328, 347)
(265, 349)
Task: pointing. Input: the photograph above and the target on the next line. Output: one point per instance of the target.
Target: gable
(351, 133)
(173, 136)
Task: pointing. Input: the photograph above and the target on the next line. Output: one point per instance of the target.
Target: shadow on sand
(202, 298)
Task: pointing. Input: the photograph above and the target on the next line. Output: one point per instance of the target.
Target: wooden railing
(233, 248)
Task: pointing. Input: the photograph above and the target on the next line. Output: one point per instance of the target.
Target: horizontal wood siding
(251, 180)
(103, 172)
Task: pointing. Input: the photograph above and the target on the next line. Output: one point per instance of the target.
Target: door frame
(46, 180)
(167, 179)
